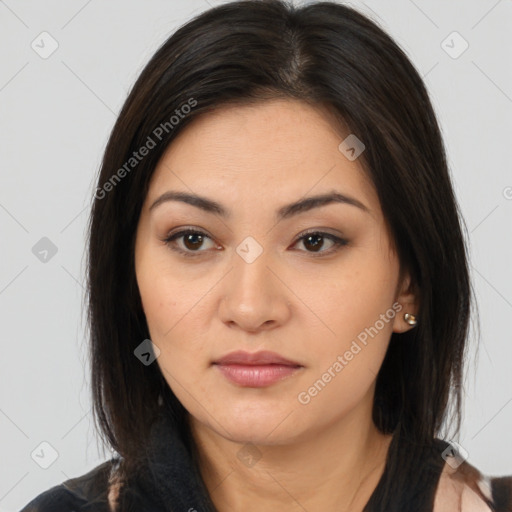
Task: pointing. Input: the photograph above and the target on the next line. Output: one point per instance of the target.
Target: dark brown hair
(330, 56)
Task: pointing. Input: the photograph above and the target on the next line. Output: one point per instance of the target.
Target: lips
(256, 370)
(255, 359)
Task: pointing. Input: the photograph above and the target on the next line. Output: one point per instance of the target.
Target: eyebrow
(285, 212)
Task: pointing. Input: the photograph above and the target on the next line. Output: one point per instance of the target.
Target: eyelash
(338, 242)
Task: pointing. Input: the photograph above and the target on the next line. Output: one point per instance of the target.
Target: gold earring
(410, 319)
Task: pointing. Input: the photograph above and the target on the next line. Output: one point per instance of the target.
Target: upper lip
(255, 358)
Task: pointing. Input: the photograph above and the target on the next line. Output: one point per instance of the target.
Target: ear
(407, 297)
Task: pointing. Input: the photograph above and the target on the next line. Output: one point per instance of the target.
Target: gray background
(55, 117)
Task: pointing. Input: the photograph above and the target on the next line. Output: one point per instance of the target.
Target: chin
(257, 425)
(255, 436)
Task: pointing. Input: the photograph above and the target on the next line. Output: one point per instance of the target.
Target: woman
(279, 293)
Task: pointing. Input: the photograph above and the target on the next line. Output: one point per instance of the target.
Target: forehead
(285, 145)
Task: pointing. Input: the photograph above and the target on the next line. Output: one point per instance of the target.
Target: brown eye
(315, 241)
(191, 242)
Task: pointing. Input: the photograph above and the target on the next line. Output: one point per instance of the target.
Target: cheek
(345, 365)
(349, 299)
(175, 311)
(168, 299)
(353, 321)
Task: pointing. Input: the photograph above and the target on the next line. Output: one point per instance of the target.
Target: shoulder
(77, 492)
(464, 488)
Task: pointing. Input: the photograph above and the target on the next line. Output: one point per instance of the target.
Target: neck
(335, 469)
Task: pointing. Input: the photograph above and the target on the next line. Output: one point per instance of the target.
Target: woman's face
(254, 280)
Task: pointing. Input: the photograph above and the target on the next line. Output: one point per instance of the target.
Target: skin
(292, 299)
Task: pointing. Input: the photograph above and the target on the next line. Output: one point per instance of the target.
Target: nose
(254, 296)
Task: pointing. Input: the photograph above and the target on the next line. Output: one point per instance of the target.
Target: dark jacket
(169, 483)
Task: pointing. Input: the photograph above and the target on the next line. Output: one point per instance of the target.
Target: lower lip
(256, 376)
